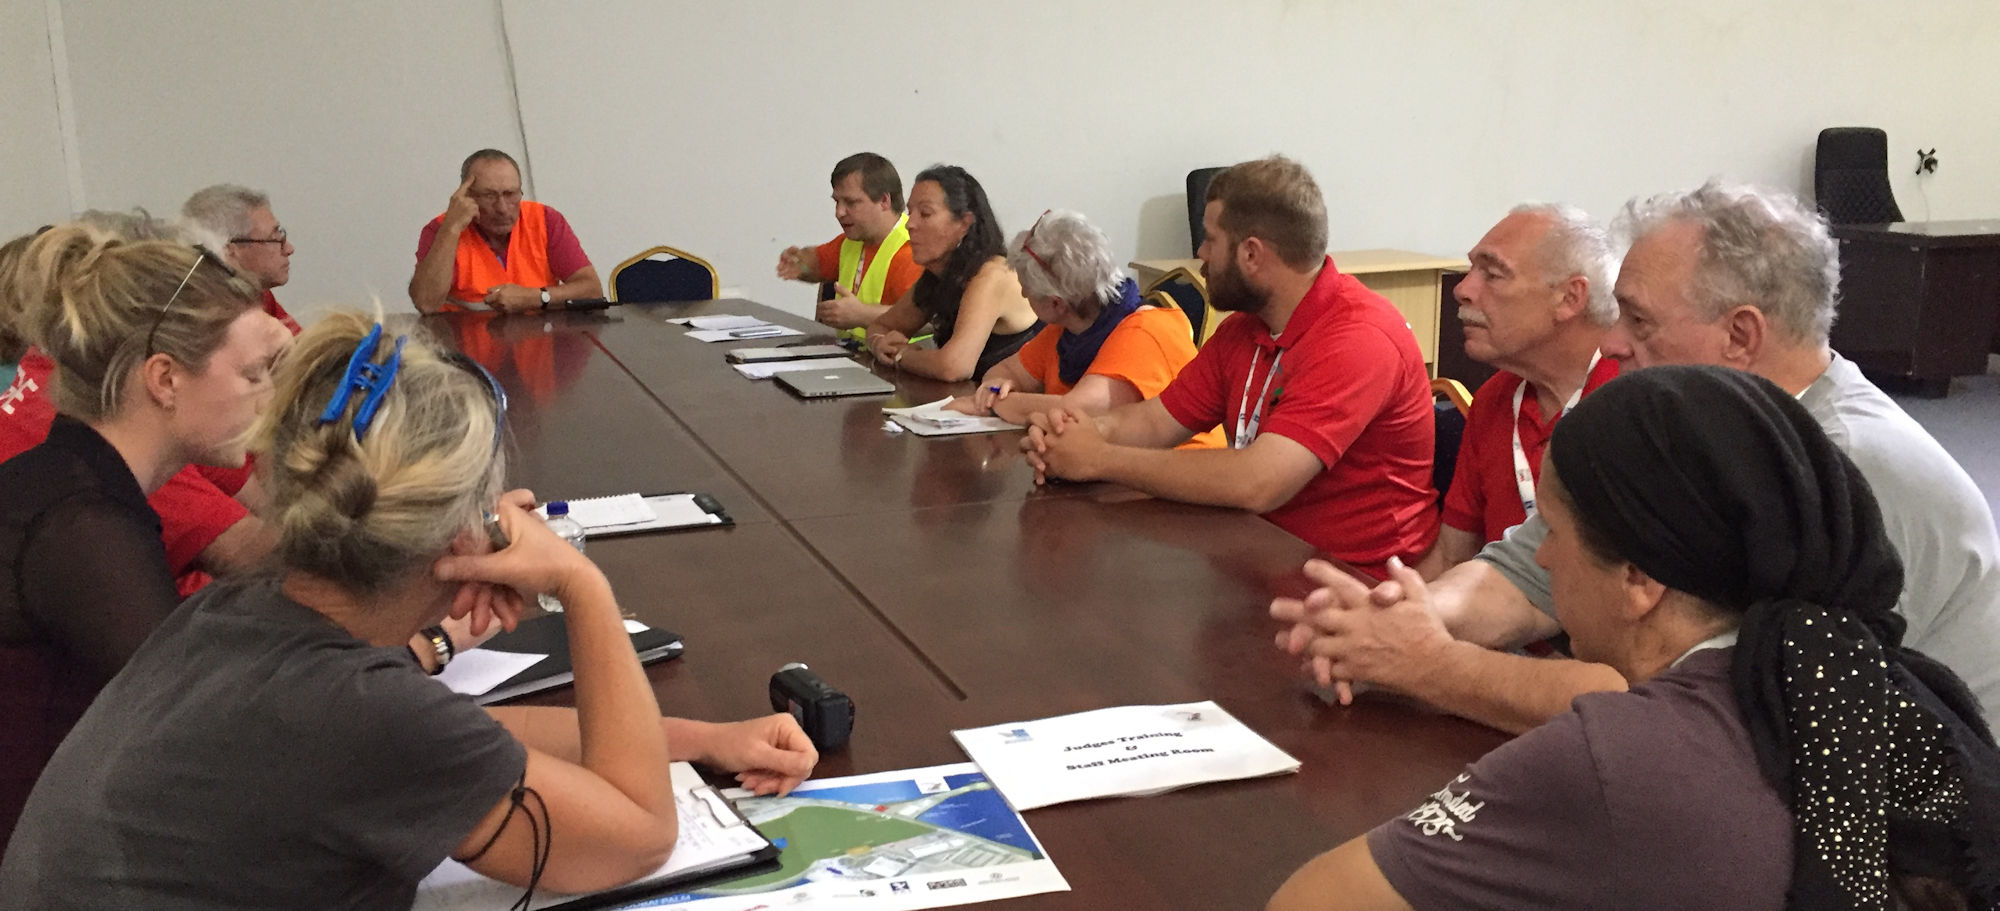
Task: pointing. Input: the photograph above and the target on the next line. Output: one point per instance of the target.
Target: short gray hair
(224, 209)
(136, 225)
(1075, 264)
(1577, 245)
(1758, 246)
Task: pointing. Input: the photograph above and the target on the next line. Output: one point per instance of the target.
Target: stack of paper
(713, 837)
(1130, 751)
(934, 419)
(767, 369)
(728, 328)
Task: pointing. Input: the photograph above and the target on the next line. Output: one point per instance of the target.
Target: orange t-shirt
(903, 270)
(1148, 349)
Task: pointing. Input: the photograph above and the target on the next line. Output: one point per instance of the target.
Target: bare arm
(1454, 546)
(240, 547)
(583, 284)
(611, 812)
(430, 287)
(771, 754)
(800, 264)
(1479, 605)
(1343, 879)
(1092, 395)
(1123, 447)
(992, 295)
(894, 327)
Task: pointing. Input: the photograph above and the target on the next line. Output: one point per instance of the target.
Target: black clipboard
(718, 516)
(549, 636)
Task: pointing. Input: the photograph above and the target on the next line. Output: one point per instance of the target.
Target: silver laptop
(835, 381)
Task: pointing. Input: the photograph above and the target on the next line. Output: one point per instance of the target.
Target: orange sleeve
(1038, 357)
(903, 275)
(1147, 350)
(829, 260)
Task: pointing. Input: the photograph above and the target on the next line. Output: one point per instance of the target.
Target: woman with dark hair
(967, 294)
(1778, 747)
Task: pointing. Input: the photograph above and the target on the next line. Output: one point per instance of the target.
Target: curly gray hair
(1070, 260)
(1758, 246)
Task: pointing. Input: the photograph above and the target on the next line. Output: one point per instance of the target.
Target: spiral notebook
(631, 513)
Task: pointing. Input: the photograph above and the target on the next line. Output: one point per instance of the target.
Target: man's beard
(1228, 292)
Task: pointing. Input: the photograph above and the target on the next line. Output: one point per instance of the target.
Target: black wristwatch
(441, 646)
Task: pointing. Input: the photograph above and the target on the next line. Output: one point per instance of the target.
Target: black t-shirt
(253, 754)
(83, 581)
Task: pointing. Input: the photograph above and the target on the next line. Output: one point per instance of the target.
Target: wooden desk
(1411, 281)
(933, 582)
(1918, 300)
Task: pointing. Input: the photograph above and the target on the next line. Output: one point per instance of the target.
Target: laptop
(835, 381)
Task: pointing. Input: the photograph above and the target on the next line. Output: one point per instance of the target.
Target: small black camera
(826, 714)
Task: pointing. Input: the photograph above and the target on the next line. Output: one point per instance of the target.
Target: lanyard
(860, 269)
(1524, 476)
(1248, 418)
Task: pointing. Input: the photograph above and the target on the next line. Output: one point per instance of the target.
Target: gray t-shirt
(1649, 799)
(1933, 513)
(255, 755)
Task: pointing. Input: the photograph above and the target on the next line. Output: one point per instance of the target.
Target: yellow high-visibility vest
(877, 273)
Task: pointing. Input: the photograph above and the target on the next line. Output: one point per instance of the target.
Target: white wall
(712, 125)
(353, 116)
(33, 182)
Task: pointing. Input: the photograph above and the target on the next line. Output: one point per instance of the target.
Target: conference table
(933, 581)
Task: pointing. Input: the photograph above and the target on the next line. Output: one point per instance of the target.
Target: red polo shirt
(1351, 387)
(1484, 498)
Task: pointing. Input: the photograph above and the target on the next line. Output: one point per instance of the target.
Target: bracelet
(441, 644)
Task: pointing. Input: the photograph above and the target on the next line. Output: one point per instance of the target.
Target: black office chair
(1197, 200)
(1184, 290)
(682, 276)
(1452, 403)
(1851, 176)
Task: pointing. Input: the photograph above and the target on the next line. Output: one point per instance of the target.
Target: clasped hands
(1064, 443)
(1348, 632)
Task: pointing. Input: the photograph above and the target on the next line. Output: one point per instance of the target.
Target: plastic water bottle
(569, 530)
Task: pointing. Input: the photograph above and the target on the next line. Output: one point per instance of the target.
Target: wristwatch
(441, 645)
(545, 298)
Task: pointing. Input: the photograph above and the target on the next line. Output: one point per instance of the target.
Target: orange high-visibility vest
(476, 270)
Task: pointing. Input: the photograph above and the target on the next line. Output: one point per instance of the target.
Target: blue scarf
(1075, 350)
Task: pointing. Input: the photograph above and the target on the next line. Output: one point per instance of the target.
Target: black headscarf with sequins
(1717, 483)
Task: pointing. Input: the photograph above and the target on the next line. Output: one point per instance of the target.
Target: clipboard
(671, 512)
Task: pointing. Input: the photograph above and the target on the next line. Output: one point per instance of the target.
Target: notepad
(768, 330)
(765, 371)
(537, 652)
(719, 321)
(933, 419)
(630, 513)
(714, 841)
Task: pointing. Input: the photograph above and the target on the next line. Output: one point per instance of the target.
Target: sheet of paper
(766, 330)
(476, 671)
(933, 419)
(600, 512)
(674, 512)
(768, 369)
(890, 841)
(720, 321)
(707, 837)
(1120, 752)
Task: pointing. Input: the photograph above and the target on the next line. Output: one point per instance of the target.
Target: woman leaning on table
(967, 293)
(1102, 347)
(274, 744)
(1777, 749)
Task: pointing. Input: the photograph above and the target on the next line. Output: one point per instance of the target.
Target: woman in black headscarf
(1778, 748)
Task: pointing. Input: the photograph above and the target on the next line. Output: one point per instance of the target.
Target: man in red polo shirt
(1536, 305)
(1316, 380)
(494, 248)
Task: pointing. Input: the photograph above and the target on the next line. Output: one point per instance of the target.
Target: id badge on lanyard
(1248, 418)
(1524, 475)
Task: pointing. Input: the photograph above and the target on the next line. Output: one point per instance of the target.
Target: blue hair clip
(365, 376)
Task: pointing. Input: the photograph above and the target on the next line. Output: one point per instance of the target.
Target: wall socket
(1927, 162)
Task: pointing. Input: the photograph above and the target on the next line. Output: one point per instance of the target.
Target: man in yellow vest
(494, 248)
(869, 264)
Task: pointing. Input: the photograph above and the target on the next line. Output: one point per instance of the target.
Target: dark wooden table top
(935, 584)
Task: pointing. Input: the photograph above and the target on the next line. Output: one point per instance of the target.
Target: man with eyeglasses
(254, 243)
(494, 248)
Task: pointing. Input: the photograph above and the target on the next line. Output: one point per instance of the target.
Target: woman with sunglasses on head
(1102, 348)
(1779, 748)
(162, 358)
(967, 295)
(274, 745)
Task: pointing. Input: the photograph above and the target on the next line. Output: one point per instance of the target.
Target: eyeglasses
(490, 197)
(279, 240)
(203, 254)
(1026, 241)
